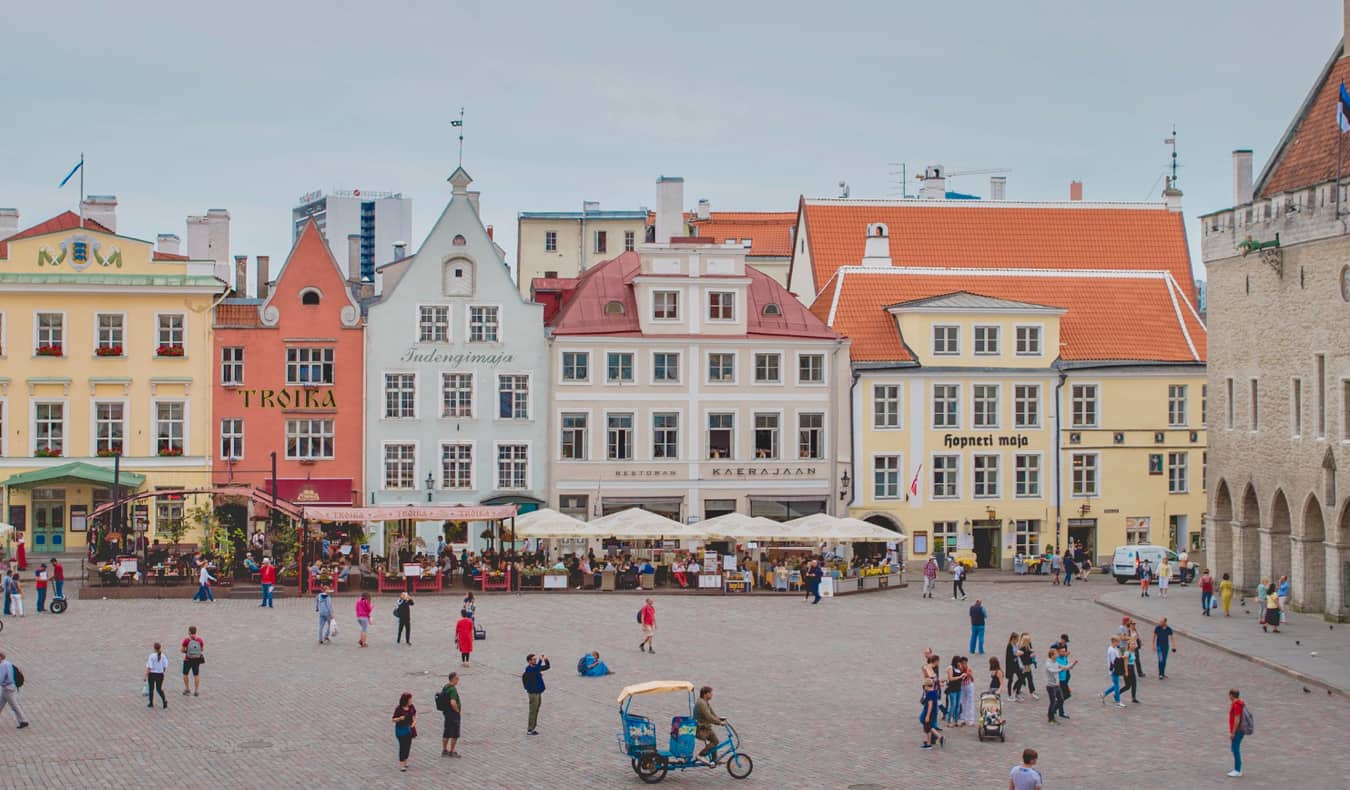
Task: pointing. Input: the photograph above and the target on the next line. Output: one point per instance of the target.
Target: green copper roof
(73, 471)
(162, 280)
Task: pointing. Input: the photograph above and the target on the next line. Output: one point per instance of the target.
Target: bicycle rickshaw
(651, 763)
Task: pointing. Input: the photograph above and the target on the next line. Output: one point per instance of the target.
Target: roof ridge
(921, 202)
(1133, 274)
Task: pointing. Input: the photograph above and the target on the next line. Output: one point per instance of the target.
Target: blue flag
(77, 167)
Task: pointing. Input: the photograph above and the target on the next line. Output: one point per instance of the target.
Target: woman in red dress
(464, 636)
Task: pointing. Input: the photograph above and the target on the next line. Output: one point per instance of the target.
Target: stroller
(991, 724)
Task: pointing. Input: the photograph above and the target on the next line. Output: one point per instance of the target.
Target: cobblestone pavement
(823, 696)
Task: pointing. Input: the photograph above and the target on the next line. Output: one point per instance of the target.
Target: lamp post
(844, 481)
(431, 484)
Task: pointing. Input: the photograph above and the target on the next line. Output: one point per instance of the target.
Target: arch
(614, 307)
(1309, 571)
(772, 308)
(457, 277)
(1342, 534)
(1219, 537)
(310, 296)
(878, 229)
(1276, 554)
(459, 241)
(1247, 541)
(890, 522)
(1251, 508)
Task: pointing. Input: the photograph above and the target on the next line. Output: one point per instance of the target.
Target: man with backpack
(447, 702)
(1240, 725)
(646, 618)
(533, 681)
(10, 681)
(194, 655)
(323, 604)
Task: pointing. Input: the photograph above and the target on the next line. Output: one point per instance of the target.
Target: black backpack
(442, 701)
(18, 677)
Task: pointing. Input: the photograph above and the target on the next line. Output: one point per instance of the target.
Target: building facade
(553, 244)
(362, 228)
(1279, 302)
(105, 350)
(766, 236)
(688, 384)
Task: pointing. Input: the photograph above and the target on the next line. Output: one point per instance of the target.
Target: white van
(1127, 558)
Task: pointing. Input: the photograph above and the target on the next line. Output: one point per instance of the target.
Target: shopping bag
(333, 628)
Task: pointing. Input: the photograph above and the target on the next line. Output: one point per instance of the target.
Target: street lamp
(431, 484)
(843, 486)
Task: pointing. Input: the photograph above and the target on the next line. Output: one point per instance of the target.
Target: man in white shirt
(1025, 776)
(1113, 659)
(9, 691)
(204, 579)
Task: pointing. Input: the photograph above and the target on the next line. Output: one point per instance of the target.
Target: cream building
(552, 244)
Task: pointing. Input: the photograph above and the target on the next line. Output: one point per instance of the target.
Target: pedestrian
(1013, 665)
(403, 614)
(40, 582)
(1132, 635)
(1025, 776)
(448, 703)
(928, 715)
(194, 655)
(1207, 593)
(1184, 565)
(1056, 567)
(815, 573)
(1164, 577)
(1115, 665)
(958, 580)
(1237, 728)
(323, 604)
(1052, 686)
(10, 678)
(533, 681)
(1141, 570)
(16, 595)
(1163, 645)
(464, 636)
(1261, 590)
(647, 620)
(930, 572)
(469, 605)
(1070, 568)
(405, 727)
(1272, 617)
(1066, 664)
(967, 693)
(1282, 590)
(59, 577)
(978, 615)
(6, 583)
(204, 579)
(364, 608)
(1226, 593)
(267, 577)
(1131, 670)
(995, 676)
(155, 667)
(1027, 657)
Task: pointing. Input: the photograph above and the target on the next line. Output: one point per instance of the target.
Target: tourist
(1272, 617)
(978, 615)
(364, 608)
(928, 715)
(7, 591)
(1066, 665)
(59, 577)
(1236, 728)
(1260, 601)
(1054, 564)
(1132, 634)
(1070, 568)
(958, 580)
(9, 690)
(1115, 664)
(469, 605)
(204, 579)
(533, 681)
(40, 582)
(267, 577)
(405, 728)
(464, 636)
(814, 574)
(448, 703)
(1013, 663)
(1207, 593)
(1025, 776)
(677, 573)
(1226, 593)
(1164, 577)
(1141, 570)
(705, 719)
(16, 595)
(967, 693)
(1132, 670)
(1163, 645)
(403, 614)
(995, 675)
(1281, 590)
(155, 667)
(932, 668)
(930, 572)
(194, 655)
(591, 666)
(1027, 658)
(1052, 673)
(647, 620)
(952, 678)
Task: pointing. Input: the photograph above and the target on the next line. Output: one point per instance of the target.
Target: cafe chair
(795, 581)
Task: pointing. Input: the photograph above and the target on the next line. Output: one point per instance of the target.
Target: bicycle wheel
(651, 768)
(740, 766)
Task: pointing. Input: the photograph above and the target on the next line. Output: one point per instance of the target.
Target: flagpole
(82, 189)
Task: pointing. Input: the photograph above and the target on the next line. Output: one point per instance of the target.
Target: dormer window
(459, 241)
(772, 308)
(986, 340)
(614, 308)
(722, 306)
(946, 340)
(310, 296)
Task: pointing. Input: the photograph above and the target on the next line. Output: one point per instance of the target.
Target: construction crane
(989, 171)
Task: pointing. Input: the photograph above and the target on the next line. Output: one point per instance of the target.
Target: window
(721, 306)
(946, 406)
(629, 239)
(232, 439)
(886, 406)
(768, 368)
(574, 505)
(1028, 341)
(513, 397)
(1296, 406)
(944, 537)
(400, 466)
(49, 427)
(811, 369)
(945, 472)
(1084, 413)
(601, 241)
(619, 437)
(1204, 405)
(1136, 531)
(433, 324)
(457, 465)
(1321, 365)
(400, 395)
(985, 476)
(811, 435)
(1176, 473)
(946, 340)
(1027, 475)
(986, 340)
(550, 241)
(886, 477)
(1176, 405)
(573, 441)
(1345, 410)
(576, 365)
(666, 305)
(619, 366)
(310, 296)
(665, 435)
(456, 394)
(766, 435)
(109, 428)
(171, 332)
(311, 440)
(2, 428)
(1027, 405)
(666, 367)
(170, 427)
(232, 366)
(772, 308)
(513, 466)
(111, 334)
(613, 307)
(1084, 474)
(1230, 410)
(168, 512)
(483, 324)
(984, 399)
(51, 333)
(721, 429)
(721, 368)
(1027, 540)
(1255, 405)
(309, 366)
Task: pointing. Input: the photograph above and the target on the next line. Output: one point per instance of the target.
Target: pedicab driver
(705, 717)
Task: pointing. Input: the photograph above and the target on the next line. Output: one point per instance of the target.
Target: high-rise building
(362, 228)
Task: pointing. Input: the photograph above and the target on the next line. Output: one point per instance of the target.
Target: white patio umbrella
(738, 526)
(6, 529)
(821, 526)
(547, 523)
(636, 523)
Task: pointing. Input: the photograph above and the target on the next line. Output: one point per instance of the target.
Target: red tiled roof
(612, 281)
(237, 315)
(1307, 153)
(987, 234)
(770, 231)
(1134, 316)
(66, 220)
(169, 256)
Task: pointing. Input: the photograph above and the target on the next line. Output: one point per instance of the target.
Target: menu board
(729, 563)
(412, 569)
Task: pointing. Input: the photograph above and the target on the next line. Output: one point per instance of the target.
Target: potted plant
(51, 350)
(169, 350)
(108, 351)
(110, 451)
(170, 452)
(47, 452)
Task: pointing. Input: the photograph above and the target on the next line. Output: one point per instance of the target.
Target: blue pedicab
(651, 763)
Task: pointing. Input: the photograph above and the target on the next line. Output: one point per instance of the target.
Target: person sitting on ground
(591, 666)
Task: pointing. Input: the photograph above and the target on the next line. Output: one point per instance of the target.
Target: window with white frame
(767, 429)
(309, 365)
(309, 439)
(986, 340)
(666, 435)
(619, 367)
(457, 465)
(1083, 471)
(629, 240)
(946, 469)
(572, 441)
(946, 406)
(1204, 405)
(1136, 531)
(112, 335)
(576, 366)
(1027, 537)
(602, 241)
(1083, 413)
(944, 537)
(1176, 405)
(484, 324)
(513, 397)
(666, 367)
(1027, 475)
(400, 396)
(811, 369)
(722, 306)
(400, 466)
(984, 402)
(886, 406)
(433, 324)
(456, 395)
(811, 435)
(1028, 341)
(232, 438)
(513, 466)
(1176, 473)
(721, 368)
(768, 368)
(171, 330)
(170, 427)
(985, 476)
(51, 332)
(1027, 405)
(550, 241)
(110, 428)
(886, 477)
(666, 305)
(946, 340)
(721, 435)
(619, 437)
(49, 427)
(575, 505)
(232, 366)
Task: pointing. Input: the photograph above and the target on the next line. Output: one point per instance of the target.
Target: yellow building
(105, 348)
(554, 244)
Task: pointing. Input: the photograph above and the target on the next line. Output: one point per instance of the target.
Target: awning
(412, 513)
(636, 501)
(788, 497)
(326, 491)
(77, 470)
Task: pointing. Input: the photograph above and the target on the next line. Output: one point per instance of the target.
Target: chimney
(354, 257)
(264, 275)
(168, 242)
(669, 208)
(9, 222)
(241, 275)
(704, 208)
(587, 206)
(877, 251)
(1075, 190)
(489, 232)
(998, 187)
(1172, 196)
(208, 239)
(1242, 174)
(101, 209)
(934, 183)
(400, 250)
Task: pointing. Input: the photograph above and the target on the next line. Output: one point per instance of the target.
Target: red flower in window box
(170, 452)
(47, 452)
(109, 452)
(169, 350)
(49, 351)
(108, 351)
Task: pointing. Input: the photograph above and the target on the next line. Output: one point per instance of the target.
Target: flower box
(48, 351)
(108, 351)
(169, 351)
(170, 452)
(47, 452)
(110, 452)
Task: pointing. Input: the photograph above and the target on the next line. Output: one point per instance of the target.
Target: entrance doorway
(49, 520)
(1084, 531)
(988, 543)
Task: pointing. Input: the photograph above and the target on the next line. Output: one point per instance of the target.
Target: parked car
(1126, 559)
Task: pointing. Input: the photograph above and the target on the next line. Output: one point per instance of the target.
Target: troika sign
(289, 399)
(990, 440)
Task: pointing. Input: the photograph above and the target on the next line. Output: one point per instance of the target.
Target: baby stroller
(991, 724)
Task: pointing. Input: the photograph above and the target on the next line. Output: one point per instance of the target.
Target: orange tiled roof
(237, 315)
(770, 231)
(1307, 153)
(66, 220)
(169, 256)
(1128, 316)
(1001, 234)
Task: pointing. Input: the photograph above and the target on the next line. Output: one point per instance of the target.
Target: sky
(246, 105)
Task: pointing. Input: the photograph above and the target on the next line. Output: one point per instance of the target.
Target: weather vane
(459, 124)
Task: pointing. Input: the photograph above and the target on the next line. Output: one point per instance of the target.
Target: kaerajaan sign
(289, 399)
(990, 440)
(750, 471)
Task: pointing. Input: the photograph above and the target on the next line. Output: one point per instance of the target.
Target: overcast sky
(246, 105)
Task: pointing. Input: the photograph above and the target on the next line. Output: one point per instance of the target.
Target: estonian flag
(1343, 109)
(77, 167)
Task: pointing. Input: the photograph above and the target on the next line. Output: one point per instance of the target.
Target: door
(987, 553)
(1084, 531)
(49, 520)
